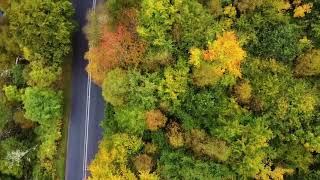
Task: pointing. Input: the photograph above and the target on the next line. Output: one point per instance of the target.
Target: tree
(173, 86)
(114, 49)
(130, 120)
(175, 135)
(42, 105)
(41, 75)
(12, 93)
(43, 28)
(155, 120)
(274, 36)
(179, 165)
(12, 152)
(224, 56)
(112, 158)
(155, 23)
(202, 144)
(115, 87)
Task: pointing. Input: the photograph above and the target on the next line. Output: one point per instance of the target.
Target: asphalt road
(87, 105)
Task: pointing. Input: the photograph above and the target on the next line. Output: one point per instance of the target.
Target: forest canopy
(207, 89)
(35, 38)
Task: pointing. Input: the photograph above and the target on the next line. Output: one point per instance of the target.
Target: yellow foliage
(148, 176)
(150, 148)
(112, 158)
(276, 174)
(230, 11)
(226, 50)
(243, 92)
(207, 74)
(300, 11)
(195, 57)
(280, 5)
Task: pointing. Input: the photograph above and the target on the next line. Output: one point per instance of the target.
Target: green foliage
(193, 25)
(130, 120)
(12, 93)
(4, 115)
(42, 105)
(177, 165)
(155, 22)
(115, 87)
(43, 76)
(17, 75)
(173, 87)
(274, 36)
(42, 28)
(115, 7)
(143, 89)
(203, 106)
(12, 153)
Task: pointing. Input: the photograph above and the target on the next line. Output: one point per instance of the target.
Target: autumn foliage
(155, 120)
(115, 49)
(223, 56)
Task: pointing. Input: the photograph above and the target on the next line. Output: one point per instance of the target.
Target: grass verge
(63, 144)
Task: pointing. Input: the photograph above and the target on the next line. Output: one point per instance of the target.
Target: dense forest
(207, 89)
(35, 39)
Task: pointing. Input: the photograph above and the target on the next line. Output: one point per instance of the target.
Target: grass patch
(63, 144)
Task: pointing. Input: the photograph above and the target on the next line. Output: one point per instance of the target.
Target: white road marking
(88, 104)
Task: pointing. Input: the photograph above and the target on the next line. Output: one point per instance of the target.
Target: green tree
(130, 120)
(43, 76)
(12, 152)
(178, 165)
(115, 87)
(12, 93)
(42, 105)
(42, 28)
(4, 115)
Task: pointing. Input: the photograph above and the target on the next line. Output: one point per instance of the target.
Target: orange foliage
(155, 120)
(115, 49)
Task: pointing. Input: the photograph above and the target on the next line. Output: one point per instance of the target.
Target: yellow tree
(223, 56)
